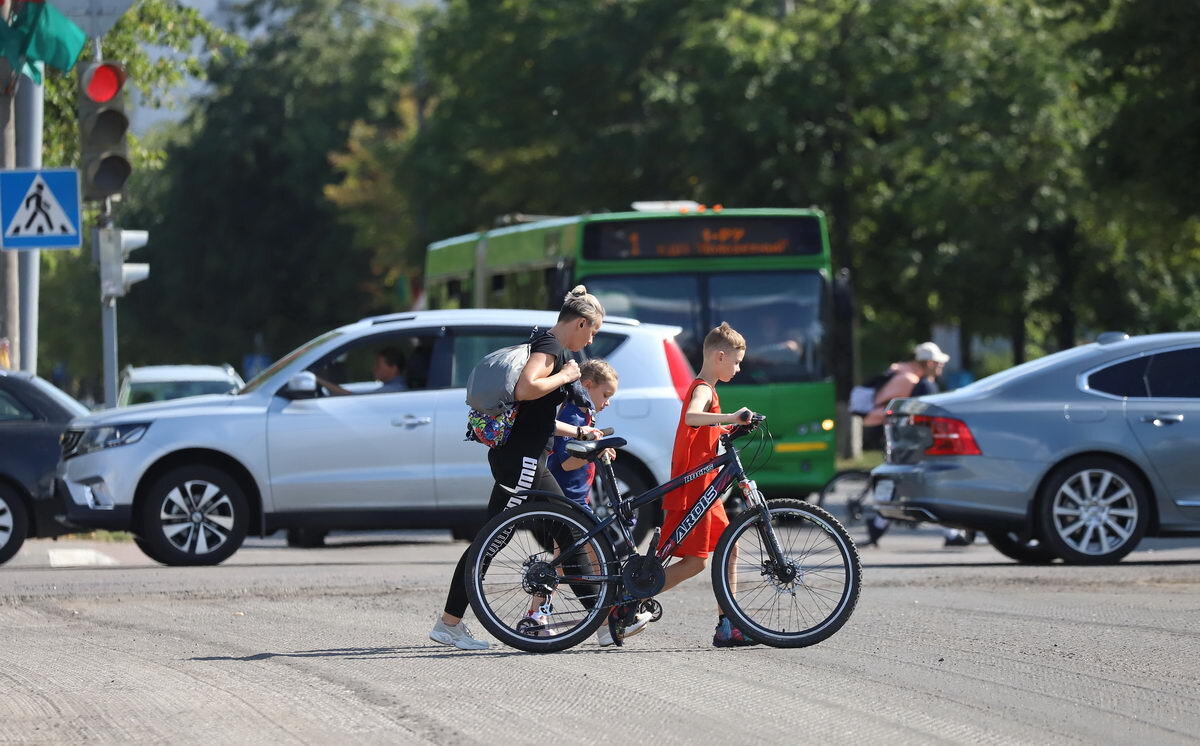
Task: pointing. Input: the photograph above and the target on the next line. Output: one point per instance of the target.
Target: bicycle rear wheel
(845, 496)
(807, 600)
(508, 575)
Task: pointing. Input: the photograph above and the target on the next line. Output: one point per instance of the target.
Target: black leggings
(512, 468)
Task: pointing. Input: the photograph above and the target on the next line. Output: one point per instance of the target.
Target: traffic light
(116, 275)
(103, 154)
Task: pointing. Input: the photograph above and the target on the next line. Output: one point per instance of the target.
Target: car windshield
(141, 393)
(255, 383)
(59, 396)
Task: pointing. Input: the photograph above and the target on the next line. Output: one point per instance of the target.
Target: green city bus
(765, 271)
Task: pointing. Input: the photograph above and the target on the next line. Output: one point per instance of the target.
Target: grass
(868, 461)
(101, 535)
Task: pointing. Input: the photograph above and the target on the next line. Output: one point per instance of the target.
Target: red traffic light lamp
(103, 124)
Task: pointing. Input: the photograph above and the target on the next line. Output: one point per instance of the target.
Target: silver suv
(191, 478)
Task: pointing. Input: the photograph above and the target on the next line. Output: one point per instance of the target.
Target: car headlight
(105, 436)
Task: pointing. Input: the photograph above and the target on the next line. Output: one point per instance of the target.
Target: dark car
(33, 415)
(1077, 455)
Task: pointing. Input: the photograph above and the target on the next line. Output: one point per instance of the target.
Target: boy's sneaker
(456, 635)
(728, 636)
(623, 621)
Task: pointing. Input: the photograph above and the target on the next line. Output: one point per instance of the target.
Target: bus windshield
(780, 313)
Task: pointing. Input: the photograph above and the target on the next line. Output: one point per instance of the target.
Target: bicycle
(796, 581)
(847, 496)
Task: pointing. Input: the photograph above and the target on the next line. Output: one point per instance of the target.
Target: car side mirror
(303, 385)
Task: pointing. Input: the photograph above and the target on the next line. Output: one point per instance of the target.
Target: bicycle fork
(783, 570)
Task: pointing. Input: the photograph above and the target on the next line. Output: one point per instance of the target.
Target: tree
(159, 42)
(246, 241)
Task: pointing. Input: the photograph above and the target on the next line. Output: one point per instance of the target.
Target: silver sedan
(1076, 455)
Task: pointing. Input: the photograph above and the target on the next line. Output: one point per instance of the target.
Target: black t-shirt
(534, 427)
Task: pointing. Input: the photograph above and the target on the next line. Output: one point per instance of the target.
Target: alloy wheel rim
(1095, 512)
(196, 517)
(6, 522)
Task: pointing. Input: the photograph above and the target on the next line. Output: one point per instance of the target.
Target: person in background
(388, 370)
(918, 377)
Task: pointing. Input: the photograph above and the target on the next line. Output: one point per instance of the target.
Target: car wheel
(306, 538)
(1010, 544)
(1093, 511)
(193, 515)
(631, 483)
(14, 523)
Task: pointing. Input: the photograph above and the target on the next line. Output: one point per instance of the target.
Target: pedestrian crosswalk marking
(40, 214)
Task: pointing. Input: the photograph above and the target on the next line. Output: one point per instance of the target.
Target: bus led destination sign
(678, 238)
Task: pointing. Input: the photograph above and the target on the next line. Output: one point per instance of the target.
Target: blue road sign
(40, 209)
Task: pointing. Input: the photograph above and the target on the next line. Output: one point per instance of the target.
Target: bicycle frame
(730, 472)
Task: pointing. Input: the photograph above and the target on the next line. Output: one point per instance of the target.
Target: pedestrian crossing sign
(40, 209)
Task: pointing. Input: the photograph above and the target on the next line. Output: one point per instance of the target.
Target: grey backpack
(491, 386)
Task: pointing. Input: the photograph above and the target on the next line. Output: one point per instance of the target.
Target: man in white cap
(916, 377)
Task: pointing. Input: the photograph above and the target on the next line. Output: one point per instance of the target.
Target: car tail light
(682, 374)
(951, 437)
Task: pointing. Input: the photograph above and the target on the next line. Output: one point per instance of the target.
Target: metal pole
(29, 115)
(10, 309)
(108, 317)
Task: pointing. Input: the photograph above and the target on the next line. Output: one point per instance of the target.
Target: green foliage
(987, 163)
(244, 240)
(158, 42)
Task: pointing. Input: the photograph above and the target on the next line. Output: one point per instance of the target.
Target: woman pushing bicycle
(521, 461)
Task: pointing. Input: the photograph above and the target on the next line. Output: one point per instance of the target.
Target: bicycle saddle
(591, 449)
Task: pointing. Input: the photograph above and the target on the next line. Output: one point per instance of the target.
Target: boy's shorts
(702, 541)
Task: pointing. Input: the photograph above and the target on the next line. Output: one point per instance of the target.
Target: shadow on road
(939, 565)
(440, 651)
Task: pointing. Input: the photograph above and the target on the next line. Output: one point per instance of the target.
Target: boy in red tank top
(696, 440)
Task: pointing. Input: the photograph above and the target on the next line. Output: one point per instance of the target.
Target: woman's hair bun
(577, 291)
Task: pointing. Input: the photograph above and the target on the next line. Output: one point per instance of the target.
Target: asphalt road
(329, 646)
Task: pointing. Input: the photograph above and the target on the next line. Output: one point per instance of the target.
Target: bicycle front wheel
(508, 576)
(845, 496)
(806, 600)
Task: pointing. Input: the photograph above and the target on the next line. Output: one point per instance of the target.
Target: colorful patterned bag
(491, 429)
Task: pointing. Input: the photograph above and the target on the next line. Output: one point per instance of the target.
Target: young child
(575, 475)
(696, 440)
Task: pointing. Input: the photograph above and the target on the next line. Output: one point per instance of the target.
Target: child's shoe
(624, 620)
(535, 624)
(728, 636)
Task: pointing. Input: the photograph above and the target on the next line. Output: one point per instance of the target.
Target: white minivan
(192, 477)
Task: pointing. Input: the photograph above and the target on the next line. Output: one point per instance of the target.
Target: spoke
(175, 529)
(1118, 530)
(1123, 512)
(1087, 538)
(1103, 540)
(224, 521)
(201, 541)
(175, 496)
(1066, 490)
(1065, 511)
(1086, 479)
(1066, 531)
(210, 491)
(1105, 481)
(1119, 495)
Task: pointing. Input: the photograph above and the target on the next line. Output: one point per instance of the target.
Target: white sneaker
(604, 634)
(538, 619)
(457, 635)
